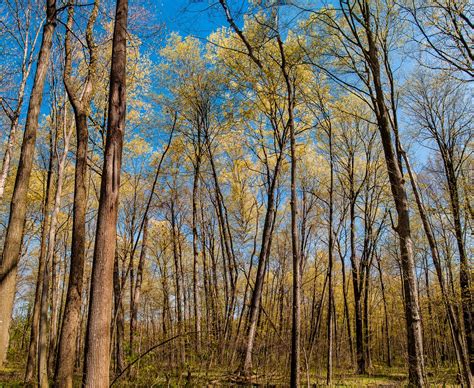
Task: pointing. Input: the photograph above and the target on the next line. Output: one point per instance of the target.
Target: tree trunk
(97, 355)
(14, 234)
(8, 151)
(331, 320)
(178, 283)
(416, 372)
(197, 312)
(462, 354)
(387, 326)
(71, 322)
(35, 322)
(118, 322)
(254, 307)
(465, 268)
(43, 327)
(138, 286)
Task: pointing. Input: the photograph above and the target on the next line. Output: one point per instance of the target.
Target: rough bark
(97, 355)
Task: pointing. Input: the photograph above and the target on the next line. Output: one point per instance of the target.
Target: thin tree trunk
(9, 149)
(330, 327)
(43, 331)
(14, 115)
(197, 312)
(462, 354)
(254, 307)
(387, 326)
(35, 323)
(465, 268)
(138, 287)
(178, 282)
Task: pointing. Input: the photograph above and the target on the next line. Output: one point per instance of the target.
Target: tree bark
(64, 369)
(97, 355)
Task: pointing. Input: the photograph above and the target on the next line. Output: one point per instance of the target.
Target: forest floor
(12, 374)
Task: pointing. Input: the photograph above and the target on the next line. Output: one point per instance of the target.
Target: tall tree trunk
(416, 368)
(178, 280)
(43, 327)
(70, 327)
(197, 312)
(97, 356)
(331, 319)
(35, 322)
(465, 268)
(462, 354)
(296, 308)
(14, 234)
(356, 285)
(71, 323)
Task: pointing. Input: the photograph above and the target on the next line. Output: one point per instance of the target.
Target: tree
(97, 357)
(445, 32)
(14, 236)
(361, 46)
(80, 101)
(25, 38)
(440, 111)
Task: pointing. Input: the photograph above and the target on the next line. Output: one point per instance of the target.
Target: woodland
(284, 199)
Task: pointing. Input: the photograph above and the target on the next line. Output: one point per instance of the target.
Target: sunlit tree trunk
(64, 368)
(97, 348)
(14, 234)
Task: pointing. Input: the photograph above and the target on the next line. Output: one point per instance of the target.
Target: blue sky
(189, 17)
